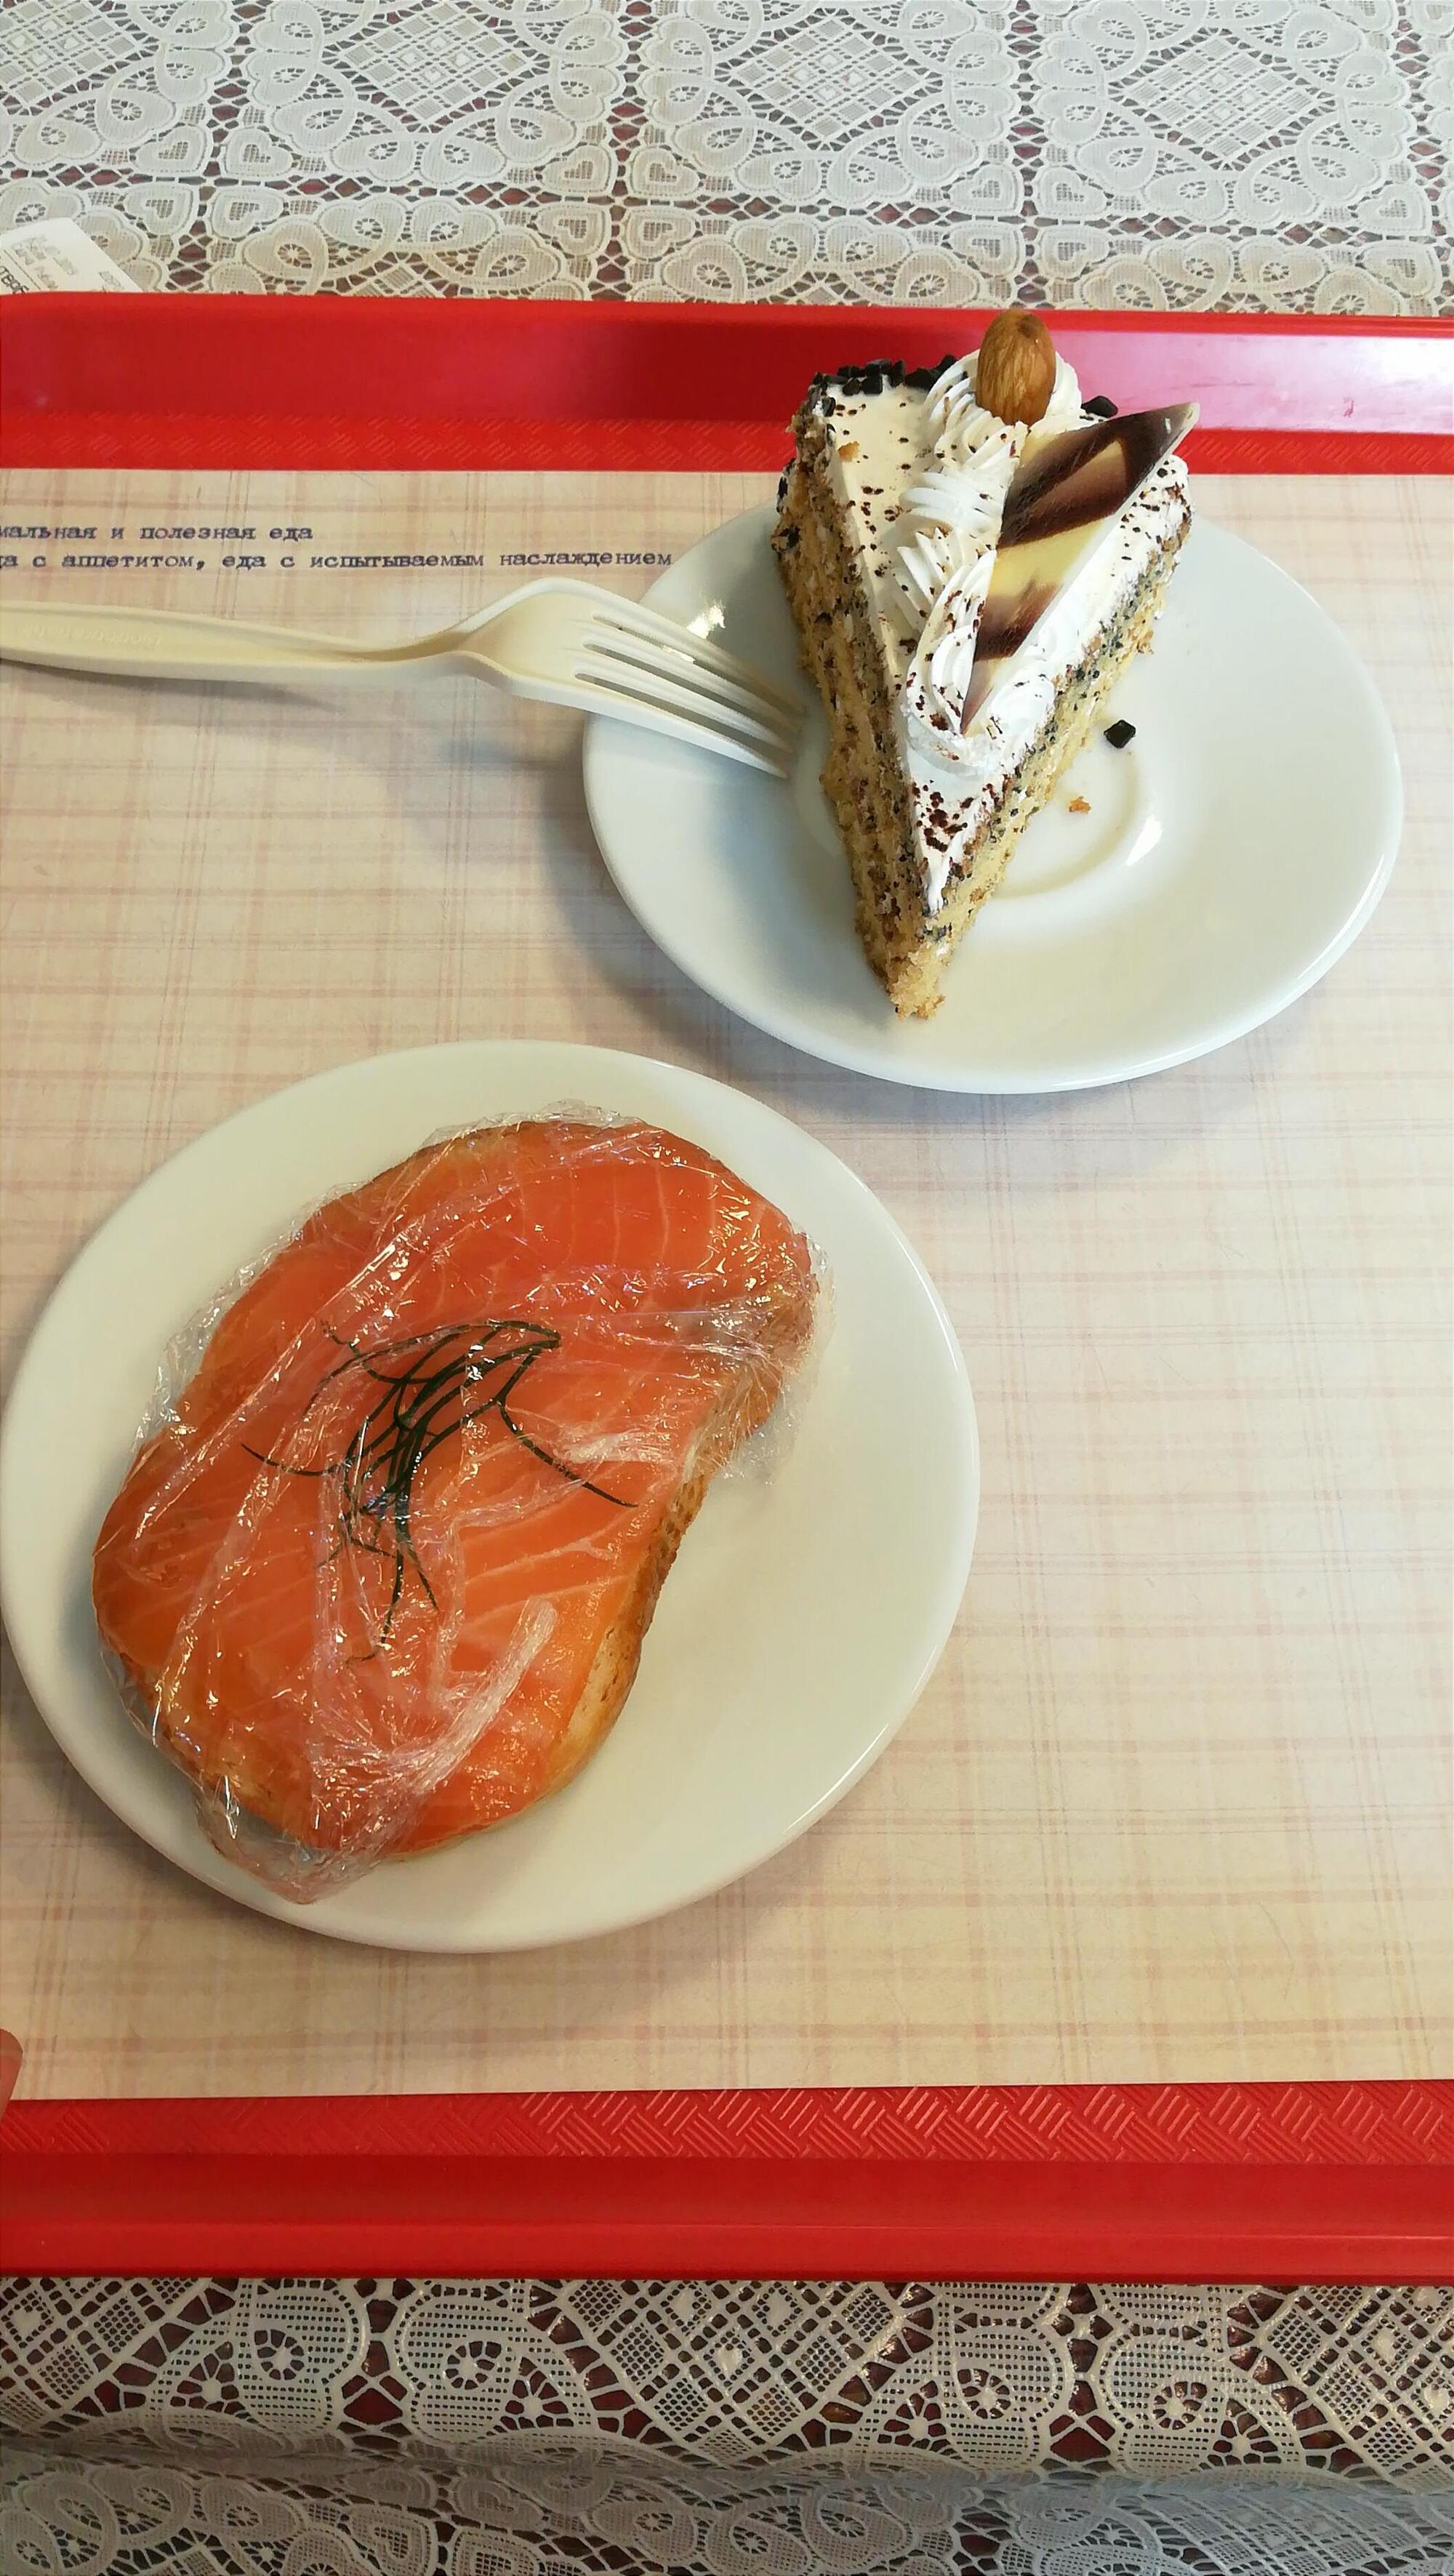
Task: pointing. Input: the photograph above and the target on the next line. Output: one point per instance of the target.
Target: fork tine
(630, 615)
(717, 696)
(652, 706)
(689, 715)
(658, 687)
(722, 690)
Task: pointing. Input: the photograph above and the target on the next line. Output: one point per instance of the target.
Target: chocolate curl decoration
(1065, 499)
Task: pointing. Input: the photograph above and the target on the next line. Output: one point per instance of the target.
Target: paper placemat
(1176, 1805)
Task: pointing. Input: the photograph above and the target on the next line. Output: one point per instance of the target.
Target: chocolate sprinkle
(923, 379)
(1102, 406)
(870, 378)
(1120, 733)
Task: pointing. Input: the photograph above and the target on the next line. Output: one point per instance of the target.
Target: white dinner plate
(809, 1605)
(1230, 854)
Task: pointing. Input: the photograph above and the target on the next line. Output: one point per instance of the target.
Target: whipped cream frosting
(921, 479)
(952, 525)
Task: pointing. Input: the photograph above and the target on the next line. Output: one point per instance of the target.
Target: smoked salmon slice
(382, 1575)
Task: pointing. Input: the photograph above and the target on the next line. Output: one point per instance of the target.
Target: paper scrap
(54, 257)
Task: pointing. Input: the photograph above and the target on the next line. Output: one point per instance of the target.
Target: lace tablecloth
(1207, 153)
(387, 2428)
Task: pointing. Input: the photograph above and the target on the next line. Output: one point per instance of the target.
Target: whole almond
(1014, 375)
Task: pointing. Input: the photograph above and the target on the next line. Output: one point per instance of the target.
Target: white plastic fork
(560, 640)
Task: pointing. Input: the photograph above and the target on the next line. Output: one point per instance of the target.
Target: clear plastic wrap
(380, 1569)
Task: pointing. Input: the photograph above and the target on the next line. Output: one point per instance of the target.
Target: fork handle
(158, 644)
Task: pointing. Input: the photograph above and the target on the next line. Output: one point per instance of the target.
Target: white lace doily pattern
(486, 2428)
(1202, 154)
(1151, 2381)
(548, 2509)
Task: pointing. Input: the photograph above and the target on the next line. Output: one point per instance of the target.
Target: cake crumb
(848, 447)
(1078, 805)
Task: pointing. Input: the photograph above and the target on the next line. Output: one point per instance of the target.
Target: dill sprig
(433, 1386)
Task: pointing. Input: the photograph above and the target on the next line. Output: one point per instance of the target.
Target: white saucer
(1230, 854)
(810, 1603)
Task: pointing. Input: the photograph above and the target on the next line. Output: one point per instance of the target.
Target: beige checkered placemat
(1176, 1804)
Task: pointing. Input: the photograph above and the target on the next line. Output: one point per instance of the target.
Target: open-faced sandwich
(381, 1576)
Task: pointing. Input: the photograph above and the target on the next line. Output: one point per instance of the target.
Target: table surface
(1201, 1313)
(804, 151)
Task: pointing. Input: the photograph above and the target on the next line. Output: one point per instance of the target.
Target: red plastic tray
(1191, 2182)
(287, 381)
(1195, 2182)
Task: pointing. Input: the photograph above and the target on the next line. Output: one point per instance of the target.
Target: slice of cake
(972, 556)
